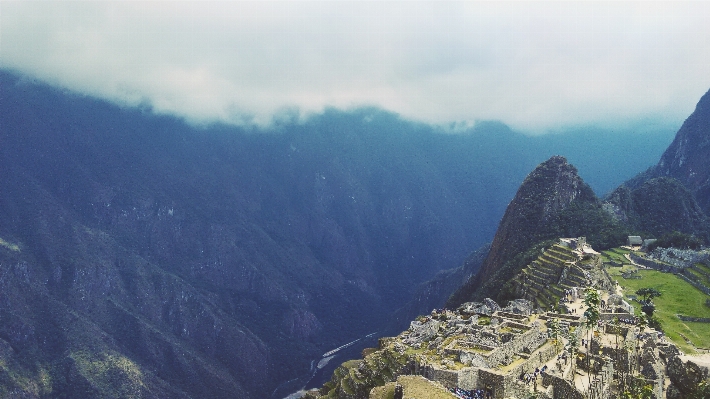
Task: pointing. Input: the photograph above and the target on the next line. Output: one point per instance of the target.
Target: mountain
(553, 201)
(659, 206)
(142, 253)
(686, 159)
(434, 293)
(144, 256)
(673, 195)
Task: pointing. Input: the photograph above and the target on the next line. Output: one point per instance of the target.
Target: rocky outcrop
(673, 195)
(659, 206)
(686, 159)
(551, 187)
(685, 377)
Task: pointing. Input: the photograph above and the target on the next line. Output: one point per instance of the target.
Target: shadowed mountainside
(686, 159)
(673, 195)
(140, 255)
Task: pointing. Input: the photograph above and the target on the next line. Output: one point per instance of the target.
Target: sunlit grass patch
(677, 297)
(9, 245)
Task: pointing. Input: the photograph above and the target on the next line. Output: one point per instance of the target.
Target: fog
(535, 66)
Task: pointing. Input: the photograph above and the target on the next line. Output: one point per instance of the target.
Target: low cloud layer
(535, 66)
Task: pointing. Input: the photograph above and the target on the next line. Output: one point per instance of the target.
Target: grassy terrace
(678, 297)
(702, 278)
(704, 268)
(615, 254)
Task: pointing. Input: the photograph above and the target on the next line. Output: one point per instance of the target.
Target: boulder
(685, 376)
(519, 306)
(492, 305)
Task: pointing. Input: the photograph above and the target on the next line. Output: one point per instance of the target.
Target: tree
(647, 305)
(572, 346)
(592, 301)
(592, 315)
(648, 308)
(648, 293)
(553, 331)
(701, 391)
(638, 389)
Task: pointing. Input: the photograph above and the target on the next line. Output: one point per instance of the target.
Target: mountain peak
(549, 189)
(686, 157)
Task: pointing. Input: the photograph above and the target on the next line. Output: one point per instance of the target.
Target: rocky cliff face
(673, 195)
(686, 159)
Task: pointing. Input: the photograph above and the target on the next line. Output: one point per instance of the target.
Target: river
(322, 368)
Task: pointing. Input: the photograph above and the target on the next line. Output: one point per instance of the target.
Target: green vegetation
(616, 255)
(110, 373)
(647, 305)
(677, 297)
(663, 205)
(9, 245)
(677, 239)
(591, 220)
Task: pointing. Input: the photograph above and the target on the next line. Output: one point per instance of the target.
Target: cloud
(536, 66)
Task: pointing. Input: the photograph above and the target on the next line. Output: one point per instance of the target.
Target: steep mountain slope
(552, 202)
(218, 259)
(673, 195)
(657, 207)
(215, 262)
(434, 293)
(686, 159)
(139, 252)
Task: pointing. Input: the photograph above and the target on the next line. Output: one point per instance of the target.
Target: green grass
(9, 245)
(614, 255)
(678, 297)
(702, 278)
(703, 267)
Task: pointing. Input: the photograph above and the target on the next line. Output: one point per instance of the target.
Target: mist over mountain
(141, 253)
(674, 194)
(686, 158)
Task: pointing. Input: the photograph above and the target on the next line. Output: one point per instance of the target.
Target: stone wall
(526, 342)
(447, 378)
(613, 316)
(680, 258)
(492, 380)
(561, 388)
(695, 319)
(503, 385)
(653, 264)
(468, 378)
(695, 284)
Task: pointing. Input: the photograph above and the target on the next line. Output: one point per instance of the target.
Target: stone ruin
(501, 350)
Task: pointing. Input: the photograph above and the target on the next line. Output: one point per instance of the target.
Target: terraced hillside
(559, 268)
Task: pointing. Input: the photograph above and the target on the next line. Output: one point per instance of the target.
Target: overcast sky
(535, 66)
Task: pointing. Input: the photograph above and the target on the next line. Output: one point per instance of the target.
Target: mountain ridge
(253, 252)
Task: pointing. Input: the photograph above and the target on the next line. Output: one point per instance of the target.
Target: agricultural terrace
(678, 297)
